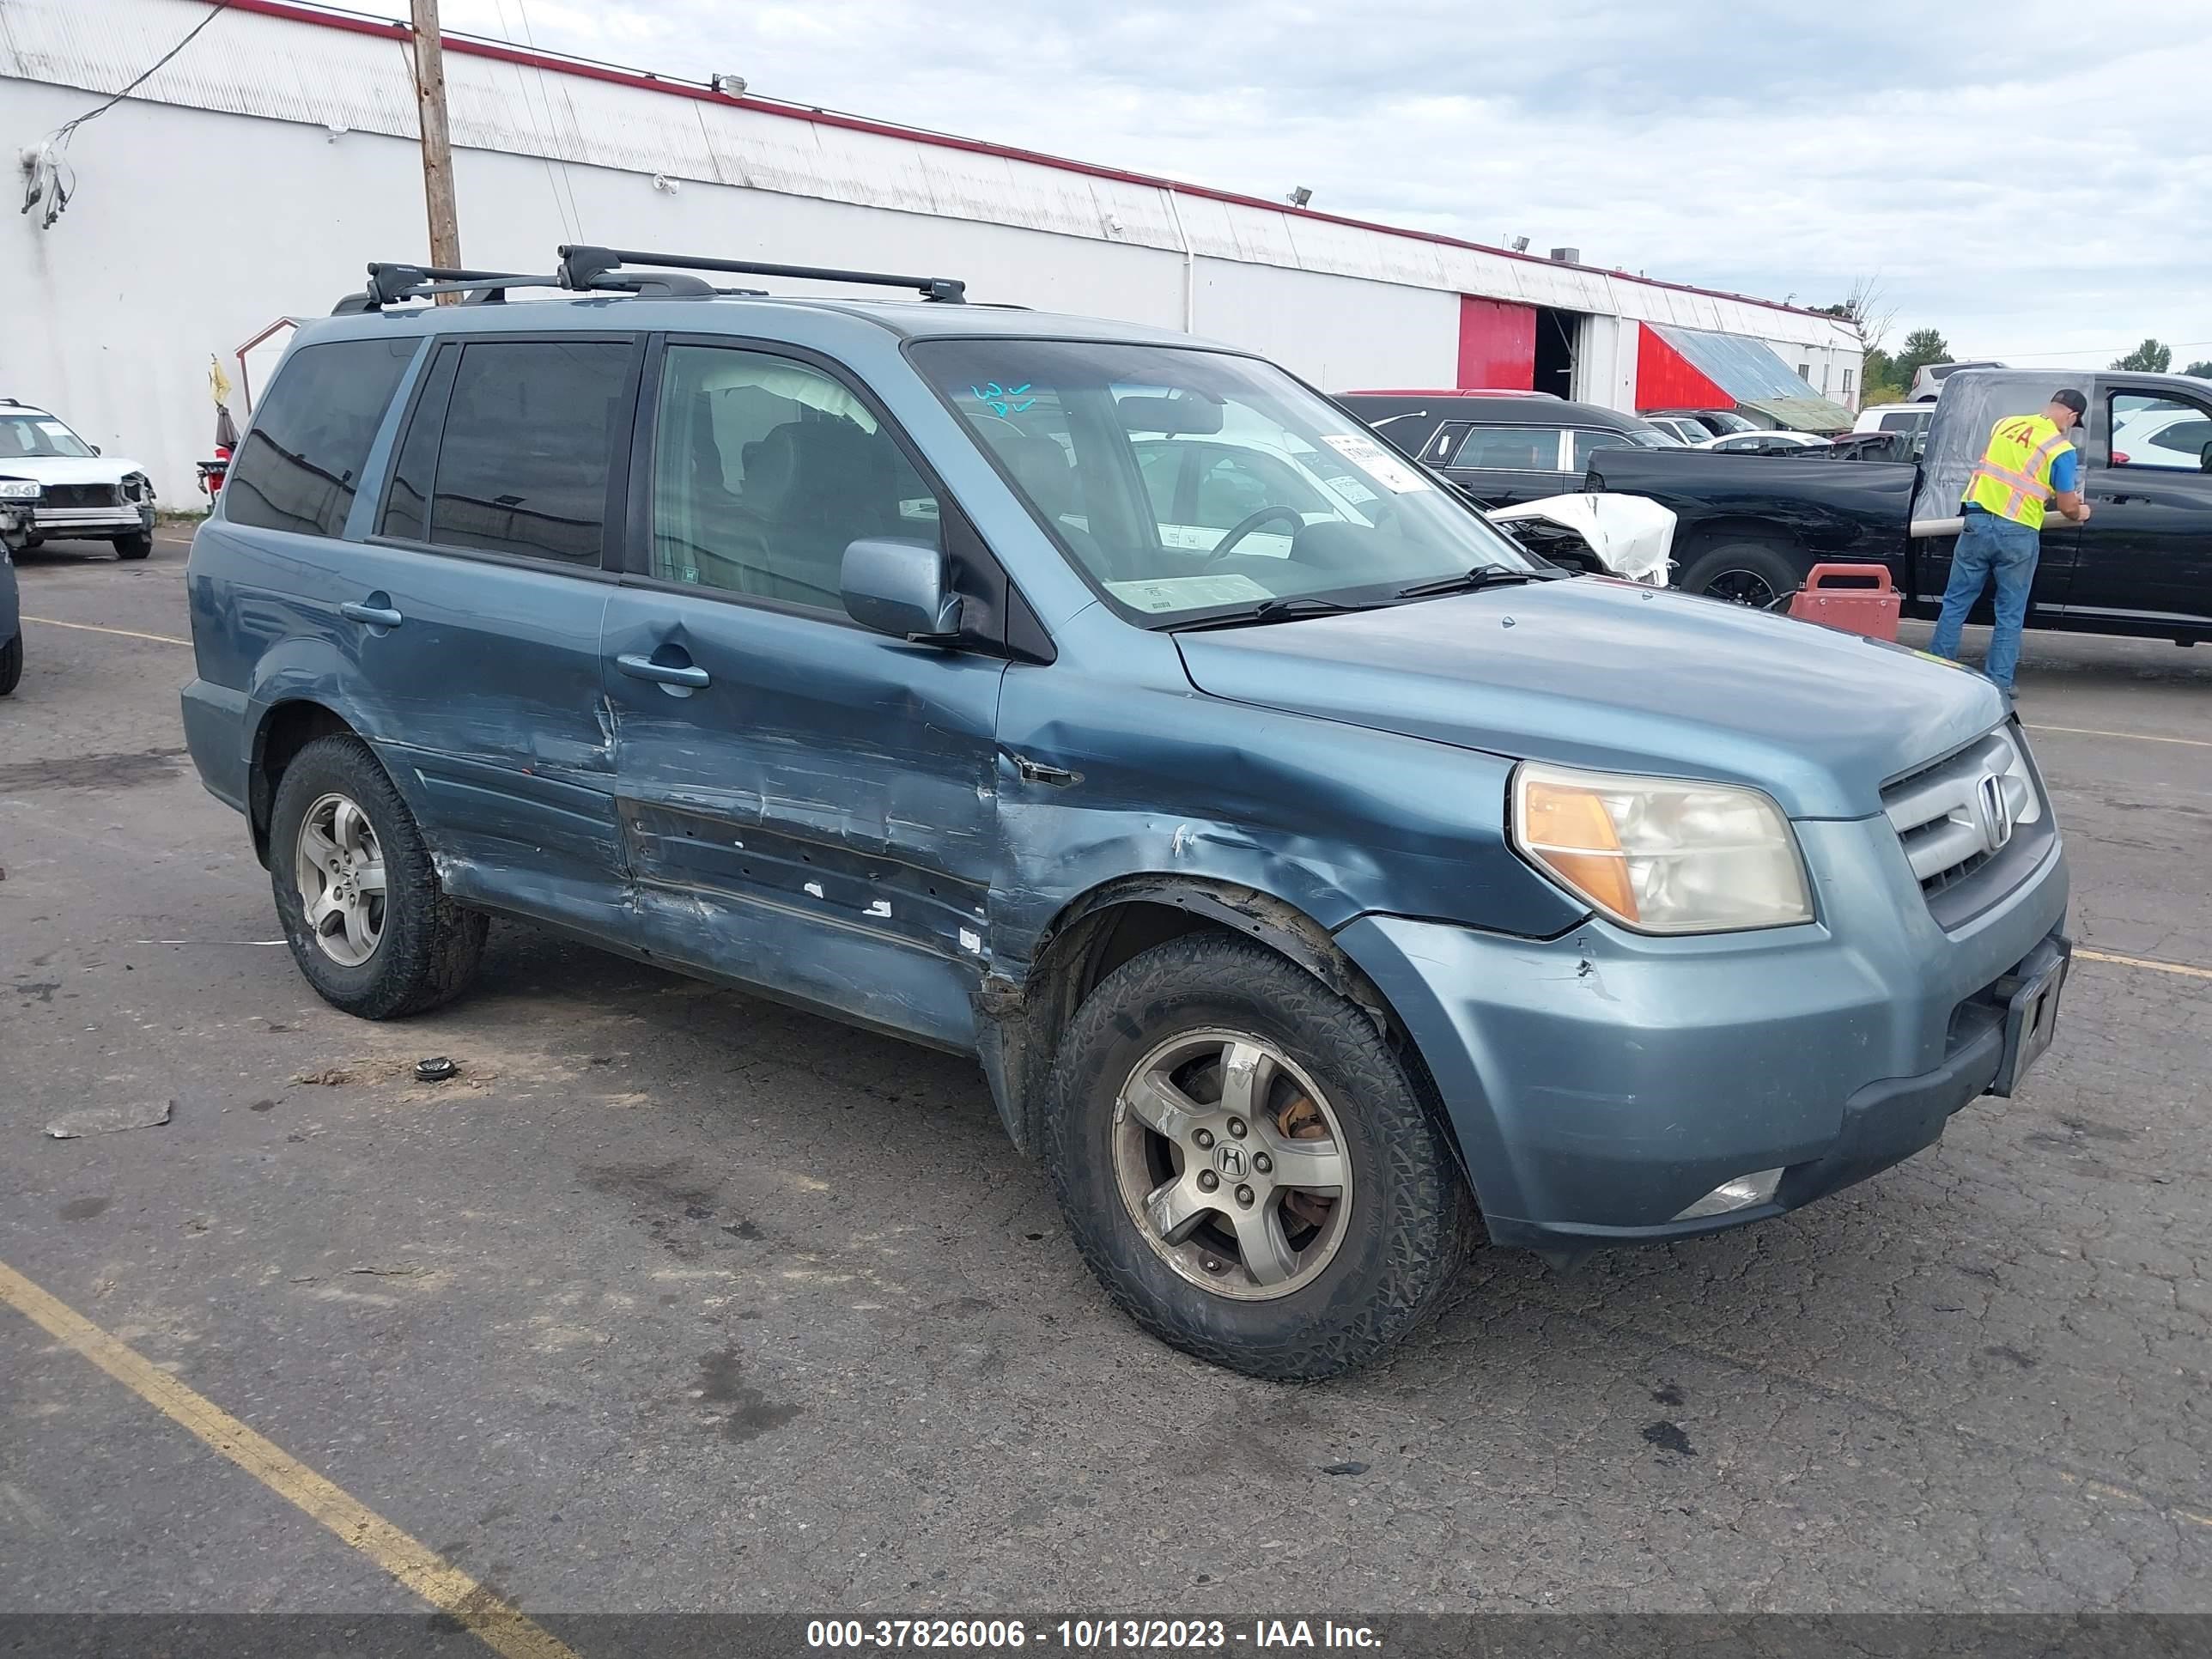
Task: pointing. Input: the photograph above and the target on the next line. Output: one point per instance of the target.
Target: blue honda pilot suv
(1319, 879)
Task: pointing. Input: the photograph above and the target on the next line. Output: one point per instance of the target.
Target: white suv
(80, 492)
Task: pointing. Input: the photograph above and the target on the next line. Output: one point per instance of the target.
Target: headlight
(1660, 854)
(19, 490)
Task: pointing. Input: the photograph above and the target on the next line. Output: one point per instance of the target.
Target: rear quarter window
(300, 465)
(1510, 448)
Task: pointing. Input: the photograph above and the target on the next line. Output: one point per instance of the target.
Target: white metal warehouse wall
(253, 176)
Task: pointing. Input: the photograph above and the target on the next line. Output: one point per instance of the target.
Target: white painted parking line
(2133, 737)
(124, 633)
(2145, 962)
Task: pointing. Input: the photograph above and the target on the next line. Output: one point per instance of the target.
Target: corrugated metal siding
(1754, 377)
(251, 65)
(1746, 368)
(1665, 378)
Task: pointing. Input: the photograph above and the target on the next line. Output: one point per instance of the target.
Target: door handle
(1031, 771)
(376, 616)
(644, 668)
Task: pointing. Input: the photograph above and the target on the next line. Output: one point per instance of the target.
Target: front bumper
(1601, 1083)
(63, 522)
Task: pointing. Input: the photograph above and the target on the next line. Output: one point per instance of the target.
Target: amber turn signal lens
(1568, 829)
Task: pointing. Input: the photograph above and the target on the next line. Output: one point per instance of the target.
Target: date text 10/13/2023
(977, 1636)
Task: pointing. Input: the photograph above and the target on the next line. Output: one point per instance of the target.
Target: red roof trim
(469, 46)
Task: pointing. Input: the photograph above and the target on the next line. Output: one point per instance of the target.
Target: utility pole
(437, 142)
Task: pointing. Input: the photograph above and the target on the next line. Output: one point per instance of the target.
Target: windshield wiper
(1266, 611)
(1474, 580)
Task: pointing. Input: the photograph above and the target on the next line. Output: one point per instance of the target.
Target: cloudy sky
(2032, 178)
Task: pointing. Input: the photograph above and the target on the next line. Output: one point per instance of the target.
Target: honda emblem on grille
(1995, 811)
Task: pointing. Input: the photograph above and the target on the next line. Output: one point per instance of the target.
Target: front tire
(11, 665)
(134, 547)
(1749, 573)
(370, 925)
(1252, 1173)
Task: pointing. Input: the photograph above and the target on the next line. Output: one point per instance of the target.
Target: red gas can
(1856, 597)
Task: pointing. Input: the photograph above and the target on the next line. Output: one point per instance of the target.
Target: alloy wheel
(1233, 1165)
(339, 866)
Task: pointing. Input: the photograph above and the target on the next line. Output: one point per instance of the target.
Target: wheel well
(1723, 532)
(288, 728)
(1020, 1026)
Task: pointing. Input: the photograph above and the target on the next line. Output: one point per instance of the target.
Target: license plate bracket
(2032, 1013)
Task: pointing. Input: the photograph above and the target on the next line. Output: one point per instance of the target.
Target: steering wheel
(1250, 522)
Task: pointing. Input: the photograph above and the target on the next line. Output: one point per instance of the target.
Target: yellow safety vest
(2014, 478)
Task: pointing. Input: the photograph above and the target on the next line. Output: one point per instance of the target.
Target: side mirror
(2204, 458)
(899, 588)
(94, 448)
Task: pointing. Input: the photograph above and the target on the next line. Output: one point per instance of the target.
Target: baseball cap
(2074, 400)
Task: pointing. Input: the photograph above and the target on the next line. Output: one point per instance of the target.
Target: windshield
(1727, 421)
(22, 436)
(1186, 482)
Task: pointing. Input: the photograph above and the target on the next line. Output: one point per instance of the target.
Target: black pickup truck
(1750, 527)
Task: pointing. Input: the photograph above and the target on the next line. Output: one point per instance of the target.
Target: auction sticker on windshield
(1188, 593)
(1376, 462)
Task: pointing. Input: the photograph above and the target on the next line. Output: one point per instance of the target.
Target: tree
(1878, 379)
(1869, 318)
(1922, 346)
(2200, 368)
(2149, 358)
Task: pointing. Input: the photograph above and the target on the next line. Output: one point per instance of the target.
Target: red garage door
(1497, 344)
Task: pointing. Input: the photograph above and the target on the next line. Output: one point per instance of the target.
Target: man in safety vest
(2029, 459)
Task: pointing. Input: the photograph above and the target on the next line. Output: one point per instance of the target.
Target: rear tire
(134, 547)
(1750, 574)
(11, 665)
(1274, 1279)
(413, 947)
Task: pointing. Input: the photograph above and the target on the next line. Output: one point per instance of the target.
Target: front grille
(1943, 819)
(81, 495)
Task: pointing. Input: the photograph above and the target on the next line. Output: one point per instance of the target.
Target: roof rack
(388, 284)
(586, 267)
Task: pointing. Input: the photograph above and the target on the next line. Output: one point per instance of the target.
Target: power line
(568, 221)
(61, 134)
(529, 34)
(2100, 351)
(48, 175)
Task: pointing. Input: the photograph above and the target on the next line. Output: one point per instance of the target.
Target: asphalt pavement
(677, 1300)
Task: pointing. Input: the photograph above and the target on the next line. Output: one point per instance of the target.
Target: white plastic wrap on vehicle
(1632, 535)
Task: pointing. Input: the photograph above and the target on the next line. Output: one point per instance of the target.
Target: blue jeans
(1989, 546)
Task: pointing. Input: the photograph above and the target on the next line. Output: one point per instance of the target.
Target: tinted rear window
(300, 465)
(528, 445)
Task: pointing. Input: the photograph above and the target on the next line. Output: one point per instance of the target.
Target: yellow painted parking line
(501, 1626)
(126, 633)
(2133, 737)
(2145, 962)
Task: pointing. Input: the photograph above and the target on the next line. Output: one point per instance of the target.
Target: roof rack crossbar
(583, 267)
(388, 284)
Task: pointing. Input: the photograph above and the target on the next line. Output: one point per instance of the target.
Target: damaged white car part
(1630, 535)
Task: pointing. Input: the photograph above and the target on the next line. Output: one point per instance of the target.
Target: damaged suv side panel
(1297, 884)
